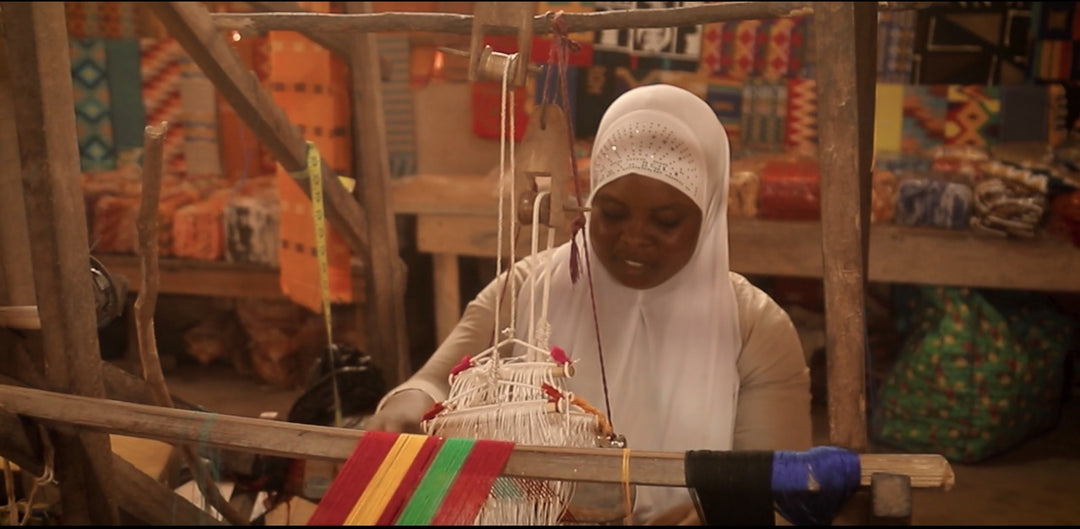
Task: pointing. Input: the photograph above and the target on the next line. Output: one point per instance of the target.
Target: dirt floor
(1037, 483)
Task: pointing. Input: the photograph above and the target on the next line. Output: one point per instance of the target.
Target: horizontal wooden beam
(898, 254)
(257, 23)
(213, 278)
(138, 494)
(336, 444)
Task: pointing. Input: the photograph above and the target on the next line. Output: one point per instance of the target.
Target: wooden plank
(386, 290)
(190, 24)
(845, 49)
(213, 278)
(35, 44)
(336, 444)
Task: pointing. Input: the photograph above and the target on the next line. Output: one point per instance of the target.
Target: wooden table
(456, 215)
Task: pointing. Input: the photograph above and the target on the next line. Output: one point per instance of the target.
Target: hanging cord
(560, 58)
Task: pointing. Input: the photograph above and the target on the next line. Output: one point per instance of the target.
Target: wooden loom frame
(845, 117)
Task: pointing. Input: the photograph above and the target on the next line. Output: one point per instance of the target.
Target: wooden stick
(146, 224)
(258, 23)
(845, 52)
(336, 444)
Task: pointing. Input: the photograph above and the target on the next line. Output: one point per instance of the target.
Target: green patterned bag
(979, 372)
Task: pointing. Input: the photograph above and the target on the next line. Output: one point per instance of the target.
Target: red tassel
(464, 364)
(553, 394)
(559, 355)
(435, 410)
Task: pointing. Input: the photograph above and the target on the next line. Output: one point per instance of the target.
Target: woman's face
(643, 230)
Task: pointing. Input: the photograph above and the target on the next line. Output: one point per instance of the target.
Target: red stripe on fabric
(410, 480)
(345, 490)
(473, 484)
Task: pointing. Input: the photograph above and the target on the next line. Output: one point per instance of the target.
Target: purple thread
(834, 472)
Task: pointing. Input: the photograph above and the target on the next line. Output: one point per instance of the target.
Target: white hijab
(669, 352)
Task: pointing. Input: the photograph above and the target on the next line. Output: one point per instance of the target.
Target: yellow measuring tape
(312, 172)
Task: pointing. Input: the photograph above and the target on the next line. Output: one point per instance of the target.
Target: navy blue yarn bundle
(744, 488)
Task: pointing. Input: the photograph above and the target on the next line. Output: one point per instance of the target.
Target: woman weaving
(694, 356)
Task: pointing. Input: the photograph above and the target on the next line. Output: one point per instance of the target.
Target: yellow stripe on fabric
(385, 482)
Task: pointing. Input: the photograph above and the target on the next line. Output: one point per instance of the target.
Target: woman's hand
(401, 413)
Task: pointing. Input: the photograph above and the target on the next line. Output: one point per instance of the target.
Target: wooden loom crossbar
(575, 22)
(336, 444)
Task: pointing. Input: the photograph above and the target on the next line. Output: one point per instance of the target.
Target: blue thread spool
(810, 488)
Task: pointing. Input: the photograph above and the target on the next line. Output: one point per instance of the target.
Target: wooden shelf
(456, 216)
(900, 254)
(209, 278)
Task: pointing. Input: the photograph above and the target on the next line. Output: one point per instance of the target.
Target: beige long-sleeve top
(773, 410)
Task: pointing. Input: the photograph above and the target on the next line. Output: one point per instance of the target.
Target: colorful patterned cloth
(93, 121)
(980, 372)
(125, 96)
(198, 113)
(161, 70)
(307, 82)
(925, 110)
(973, 115)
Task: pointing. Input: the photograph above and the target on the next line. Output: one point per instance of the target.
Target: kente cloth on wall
(973, 115)
(198, 112)
(1024, 113)
(93, 121)
(973, 43)
(896, 46)
(1055, 50)
(767, 48)
(161, 75)
(888, 117)
(408, 479)
(398, 106)
(105, 20)
(648, 48)
(764, 115)
(125, 97)
(242, 154)
(925, 111)
(725, 96)
(308, 83)
(800, 134)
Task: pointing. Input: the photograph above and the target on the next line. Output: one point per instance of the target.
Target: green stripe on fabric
(429, 494)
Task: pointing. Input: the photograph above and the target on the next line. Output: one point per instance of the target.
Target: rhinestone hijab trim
(653, 144)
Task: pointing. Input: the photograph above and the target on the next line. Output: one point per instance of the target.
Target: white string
(502, 186)
(532, 277)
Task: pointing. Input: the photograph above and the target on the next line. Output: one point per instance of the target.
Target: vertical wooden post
(35, 37)
(386, 290)
(846, 34)
(16, 273)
